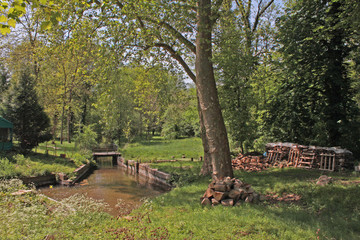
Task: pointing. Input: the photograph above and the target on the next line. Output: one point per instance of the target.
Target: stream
(109, 183)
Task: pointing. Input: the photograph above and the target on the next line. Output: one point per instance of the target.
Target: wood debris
(251, 162)
(229, 192)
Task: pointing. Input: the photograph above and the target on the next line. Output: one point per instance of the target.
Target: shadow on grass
(49, 159)
(334, 209)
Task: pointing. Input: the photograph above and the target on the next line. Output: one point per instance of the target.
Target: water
(109, 184)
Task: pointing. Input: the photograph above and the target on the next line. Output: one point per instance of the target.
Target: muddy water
(109, 184)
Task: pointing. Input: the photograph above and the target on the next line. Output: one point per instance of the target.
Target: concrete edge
(153, 176)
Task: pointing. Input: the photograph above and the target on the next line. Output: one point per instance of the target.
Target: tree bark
(219, 151)
(206, 168)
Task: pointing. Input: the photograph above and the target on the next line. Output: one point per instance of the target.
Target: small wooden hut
(6, 132)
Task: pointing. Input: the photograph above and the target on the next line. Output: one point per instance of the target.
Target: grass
(329, 212)
(17, 165)
(42, 160)
(159, 148)
(55, 148)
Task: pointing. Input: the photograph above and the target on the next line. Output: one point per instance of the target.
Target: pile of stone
(250, 162)
(229, 192)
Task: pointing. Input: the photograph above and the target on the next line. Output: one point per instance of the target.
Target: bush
(86, 140)
(7, 169)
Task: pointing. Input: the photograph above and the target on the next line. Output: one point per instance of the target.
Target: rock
(227, 202)
(206, 202)
(324, 180)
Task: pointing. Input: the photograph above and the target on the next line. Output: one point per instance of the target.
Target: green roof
(5, 123)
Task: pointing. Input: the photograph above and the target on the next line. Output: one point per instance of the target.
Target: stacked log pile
(229, 192)
(324, 158)
(250, 162)
(294, 155)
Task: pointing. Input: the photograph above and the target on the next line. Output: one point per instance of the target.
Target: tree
(181, 117)
(216, 135)
(4, 80)
(182, 29)
(31, 124)
(316, 96)
(243, 43)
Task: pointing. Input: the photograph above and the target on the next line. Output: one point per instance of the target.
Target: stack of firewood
(229, 192)
(250, 162)
(323, 158)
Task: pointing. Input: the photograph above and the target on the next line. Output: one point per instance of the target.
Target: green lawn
(159, 148)
(329, 212)
(42, 160)
(55, 148)
(17, 165)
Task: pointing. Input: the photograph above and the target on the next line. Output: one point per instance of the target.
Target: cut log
(220, 195)
(206, 202)
(227, 202)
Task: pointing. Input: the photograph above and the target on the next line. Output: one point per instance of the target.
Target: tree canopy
(284, 72)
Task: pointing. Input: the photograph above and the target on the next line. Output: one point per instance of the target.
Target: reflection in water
(108, 184)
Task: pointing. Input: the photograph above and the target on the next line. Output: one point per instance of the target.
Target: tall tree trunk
(219, 151)
(69, 120)
(206, 168)
(83, 115)
(62, 124)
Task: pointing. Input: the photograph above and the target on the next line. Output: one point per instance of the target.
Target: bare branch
(258, 15)
(243, 14)
(178, 58)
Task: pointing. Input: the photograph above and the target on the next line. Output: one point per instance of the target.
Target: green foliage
(4, 81)
(181, 118)
(7, 169)
(21, 107)
(80, 158)
(86, 140)
(139, 97)
(238, 56)
(314, 103)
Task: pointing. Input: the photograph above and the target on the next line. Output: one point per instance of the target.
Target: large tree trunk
(216, 135)
(206, 168)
